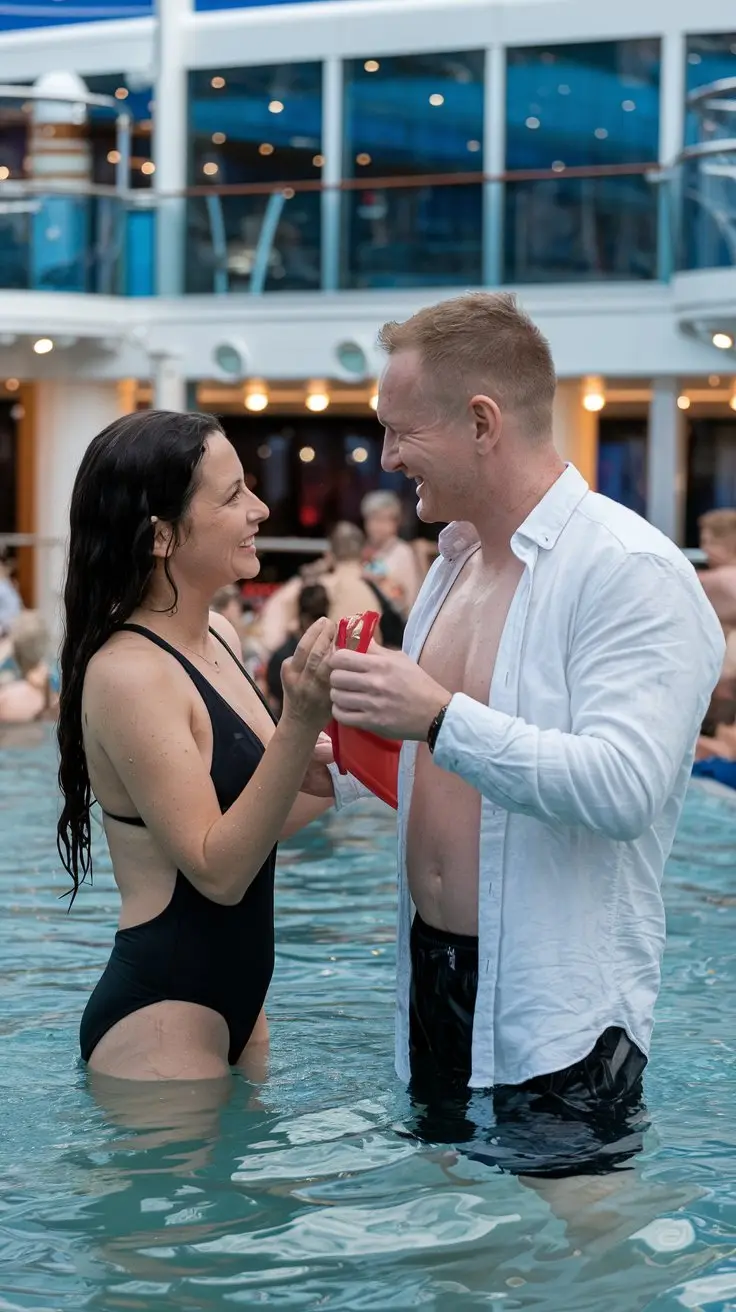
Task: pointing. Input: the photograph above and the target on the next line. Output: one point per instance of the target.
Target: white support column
(170, 144)
(170, 390)
(666, 460)
(67, 416)
(671, 141)
(494, 162)
(575, 429)
(332, 151)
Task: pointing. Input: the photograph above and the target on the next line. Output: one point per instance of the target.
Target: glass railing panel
(60, 242)
(580, 229)
(253, 242)
(707, 190)
(424, 235)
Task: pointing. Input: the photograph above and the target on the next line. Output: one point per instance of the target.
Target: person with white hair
(391, 562)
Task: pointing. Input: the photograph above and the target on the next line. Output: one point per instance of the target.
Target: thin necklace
(214, 663)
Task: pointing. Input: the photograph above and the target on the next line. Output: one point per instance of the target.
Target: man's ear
(488, 422)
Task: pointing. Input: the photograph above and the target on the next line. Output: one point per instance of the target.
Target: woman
(159, 722)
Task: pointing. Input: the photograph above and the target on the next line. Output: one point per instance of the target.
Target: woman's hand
(306, 677)
(318, 780)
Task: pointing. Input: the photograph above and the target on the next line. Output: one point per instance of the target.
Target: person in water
(556, 668)
(159, 722)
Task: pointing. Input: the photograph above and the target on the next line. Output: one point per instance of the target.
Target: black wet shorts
(586, 1119)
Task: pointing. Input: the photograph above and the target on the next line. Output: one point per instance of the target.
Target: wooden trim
(26, 490)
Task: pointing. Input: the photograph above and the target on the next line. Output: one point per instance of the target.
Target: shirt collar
(543, 526)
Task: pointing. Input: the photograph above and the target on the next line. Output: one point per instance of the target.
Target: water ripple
(309, 1192)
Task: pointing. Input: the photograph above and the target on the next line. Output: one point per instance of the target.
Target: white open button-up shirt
(604, 672)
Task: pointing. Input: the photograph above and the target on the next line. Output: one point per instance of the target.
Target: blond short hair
(30, 638)
(482, 342)
(721, 523)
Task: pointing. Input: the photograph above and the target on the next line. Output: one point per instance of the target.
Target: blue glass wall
(586, 105)
(709, 59)
(251, 128)
(706, 187)
(413, 115)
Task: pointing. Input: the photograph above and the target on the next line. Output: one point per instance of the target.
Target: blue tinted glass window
(710, 59)
(706, 177)
(415, 116)
(622, 462)
(591, 106)
(136, 98)
(251, 129)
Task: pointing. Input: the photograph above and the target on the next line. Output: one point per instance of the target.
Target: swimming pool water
(305, 1193)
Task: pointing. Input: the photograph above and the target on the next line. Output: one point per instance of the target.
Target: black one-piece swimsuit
(197, 950)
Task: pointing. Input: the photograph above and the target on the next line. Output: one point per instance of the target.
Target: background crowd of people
(368, 568)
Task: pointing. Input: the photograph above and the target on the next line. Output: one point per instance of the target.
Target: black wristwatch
(435, 727)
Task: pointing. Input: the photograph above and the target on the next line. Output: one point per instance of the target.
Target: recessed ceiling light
(532, 123)
(265, 148)
(218, 138)
(723, 341)
(43, 346)
(436, 99)
(148, 167)
(217, 83)
(371, 66)
(113, 156)
(683, 402)
(210, 168)
(276, 107)
(121, 93)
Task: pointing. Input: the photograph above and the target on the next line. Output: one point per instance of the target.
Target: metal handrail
(382, 183)
(711, 89)
(725, 146)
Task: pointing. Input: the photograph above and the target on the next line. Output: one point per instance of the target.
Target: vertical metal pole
(494, 162)
(332, 150)
(666, 460)
(671, 141)
(170, 144)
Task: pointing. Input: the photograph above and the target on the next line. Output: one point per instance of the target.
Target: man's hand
(384, 692)
(317, 782)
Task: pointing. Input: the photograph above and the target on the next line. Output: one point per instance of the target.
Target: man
(313, 605)
(555, 672)
(349, 589)
(391, 562)
(718, 541)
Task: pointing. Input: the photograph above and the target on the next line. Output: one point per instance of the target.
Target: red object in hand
(372, 760)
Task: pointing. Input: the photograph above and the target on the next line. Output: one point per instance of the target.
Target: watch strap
(435, 727)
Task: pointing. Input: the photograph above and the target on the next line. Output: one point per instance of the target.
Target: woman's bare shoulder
(128, 664)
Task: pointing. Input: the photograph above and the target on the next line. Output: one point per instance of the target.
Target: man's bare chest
(462, 646)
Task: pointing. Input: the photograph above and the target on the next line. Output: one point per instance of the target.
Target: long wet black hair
(143, 465)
